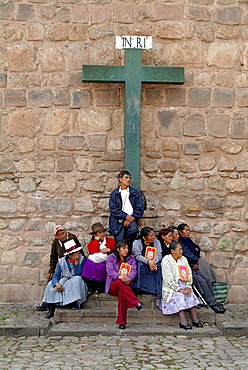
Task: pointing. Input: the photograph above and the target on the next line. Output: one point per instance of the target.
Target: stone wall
(62, 140)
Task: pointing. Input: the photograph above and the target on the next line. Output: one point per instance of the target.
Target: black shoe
(42, 307)
(139, 306)
(91, 291)
(217, 309)
(198, 324)
(49, 314)
(122, 327)
(186, 326)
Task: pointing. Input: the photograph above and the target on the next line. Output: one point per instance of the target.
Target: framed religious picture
(150, 252)
(183, 272)
(125, 269)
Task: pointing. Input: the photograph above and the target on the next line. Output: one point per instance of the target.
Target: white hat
(71, 247)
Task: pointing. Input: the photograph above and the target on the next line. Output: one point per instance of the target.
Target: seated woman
(121, 270)
(67, 285)
(148, 253)
(177, 295)
(94, 270)
(202, 281)
(165, 238)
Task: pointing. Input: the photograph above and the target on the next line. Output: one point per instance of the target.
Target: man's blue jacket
(117, 216)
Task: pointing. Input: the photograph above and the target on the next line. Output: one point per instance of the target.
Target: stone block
(97, 142)
(9, 258)
(3, 274)
(150, 166)
(219, 259)
(205, 243)
(50, 185)
(229, 15)
(100, 32)
(108, 166)
(195, 184)
(199, 97)
(171, 203)
(15, 98)
(16, 225)
(194, 125)
(216, 182)
(40, 98)
(202, 2)
(26, 165)
(46, 143)
(202, 227)
(187, 165)
(81, 98)
(238, 128)
(78, 32)
(157, 185)
(7, 166)
(230, 148)
(9, 242)
(154, 96)
(234, 201)
(7, 10)
(25, 145)
(203, 79)
(178, 182)
(27, 185)
(64, 14)
(65, 164)
(242, 244)
(199, 13)
(188, 54)
(71, 142)
(237, 294)
(175, 97)
(24, 275)
(51, 58)
(224, 79)
(45, 205)
(94, 120)
(100, 15)
(94, 184)
(12, 293)
(26, 204)
(222, 54)
(191, 148)
(225, 244)
(242, 99)
(169, 123)
(35, 31)
(218, 125)
(169, 165)
(173, 30)
(21, 58)
(240, 276)
(8, 186)
(123, 13)
(205, 31)
(212, 202)
(227, 32)
(208, 145)
(107, 97)
(232, 216)
(3, 80)
(242, 164)
(84, 204)
(225, 164)
(206, 162)
(25, 12)
(114, 144)
(236, 185)
(170, 148)
(57, 32)
(191, 205)
(223, 98)
(80, 13)
(76, 55)
(61, 96)
(160, 12)
(62, 205)
(84, 164)
(32, 259)
(222, 227)
(57, 121)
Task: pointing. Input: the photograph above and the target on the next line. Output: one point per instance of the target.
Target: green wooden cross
(133, 74)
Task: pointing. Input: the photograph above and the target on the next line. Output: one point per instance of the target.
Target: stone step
(102, 308)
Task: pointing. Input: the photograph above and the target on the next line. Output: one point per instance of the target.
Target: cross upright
(133, 74)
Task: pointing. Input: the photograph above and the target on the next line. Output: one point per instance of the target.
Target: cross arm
(168, 75)
(104, 73)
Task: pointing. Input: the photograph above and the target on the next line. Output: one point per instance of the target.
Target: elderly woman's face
(177, 253)
(61, 235)
(150, 237)
(185, 232)
(74, 256)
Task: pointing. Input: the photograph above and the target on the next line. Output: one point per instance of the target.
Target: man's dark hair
(122, 173)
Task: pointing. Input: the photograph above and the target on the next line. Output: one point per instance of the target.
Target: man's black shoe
(139, 306)
(42, 307)
(217, 309)
(49, 314)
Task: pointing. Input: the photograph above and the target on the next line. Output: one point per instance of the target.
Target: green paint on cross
(133, 74)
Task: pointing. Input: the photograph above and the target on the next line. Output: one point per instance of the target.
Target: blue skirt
(147, 280)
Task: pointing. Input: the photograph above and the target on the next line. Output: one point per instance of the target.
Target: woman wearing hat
(94, 270)
(67, 285)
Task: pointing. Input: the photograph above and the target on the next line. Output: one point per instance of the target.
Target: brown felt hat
(97, 227)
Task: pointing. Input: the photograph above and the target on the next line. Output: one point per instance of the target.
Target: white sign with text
(133, 42)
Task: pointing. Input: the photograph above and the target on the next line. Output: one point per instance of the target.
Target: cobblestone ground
(123, 352)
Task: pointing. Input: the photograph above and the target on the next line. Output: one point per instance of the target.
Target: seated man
(126, 207)
(202, 282)
(57, 251)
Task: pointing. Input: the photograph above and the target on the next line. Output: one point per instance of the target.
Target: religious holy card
(183, 271)
(150, 252)
(125, 269)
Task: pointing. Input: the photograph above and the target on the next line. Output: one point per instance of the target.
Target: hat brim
(74, 250)
(93, 232)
